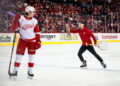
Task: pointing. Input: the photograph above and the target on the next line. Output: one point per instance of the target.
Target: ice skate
(83, 64)
(13, 75)
(103, 64)
(30, 75)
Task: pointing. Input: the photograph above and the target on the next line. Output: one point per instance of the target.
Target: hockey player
(29, 38)
(85, 35)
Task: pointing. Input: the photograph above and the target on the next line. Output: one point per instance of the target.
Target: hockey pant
(22, 45)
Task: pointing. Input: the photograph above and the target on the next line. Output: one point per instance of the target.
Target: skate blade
(13, 77)
(30, 77)
(104, 67)
(83, 67)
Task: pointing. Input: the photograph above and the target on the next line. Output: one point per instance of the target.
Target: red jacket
(85, 36)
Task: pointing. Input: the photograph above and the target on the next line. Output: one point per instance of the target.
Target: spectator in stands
(47, 9)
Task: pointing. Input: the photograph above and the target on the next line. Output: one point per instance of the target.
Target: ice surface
(58, 65)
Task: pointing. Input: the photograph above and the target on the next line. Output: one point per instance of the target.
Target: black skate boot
(30, 75)
(103, 64)
(83, 64)
(13, 75)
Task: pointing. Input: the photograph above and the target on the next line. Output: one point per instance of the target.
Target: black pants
(91, 50)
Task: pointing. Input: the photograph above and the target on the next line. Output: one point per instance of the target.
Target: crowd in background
(101, 16)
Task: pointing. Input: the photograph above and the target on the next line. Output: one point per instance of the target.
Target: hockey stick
(9, 73)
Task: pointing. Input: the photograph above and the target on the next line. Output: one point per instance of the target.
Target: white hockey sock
(31, 63)
(17, 62)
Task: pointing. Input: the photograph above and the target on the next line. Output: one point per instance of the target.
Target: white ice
(59, 65)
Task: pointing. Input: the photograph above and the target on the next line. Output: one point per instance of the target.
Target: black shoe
(103, 64)
(84, 64)
(30, 75)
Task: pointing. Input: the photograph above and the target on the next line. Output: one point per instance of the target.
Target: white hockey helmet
(29, 8)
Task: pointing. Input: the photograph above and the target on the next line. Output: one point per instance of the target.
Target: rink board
(6, 39)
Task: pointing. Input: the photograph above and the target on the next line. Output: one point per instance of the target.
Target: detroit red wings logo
(27, 26)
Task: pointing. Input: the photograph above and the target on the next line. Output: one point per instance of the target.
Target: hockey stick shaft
(12, 54)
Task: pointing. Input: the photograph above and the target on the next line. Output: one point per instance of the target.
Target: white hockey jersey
(28, 28)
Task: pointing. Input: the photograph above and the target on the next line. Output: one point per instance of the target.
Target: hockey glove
(38, 42)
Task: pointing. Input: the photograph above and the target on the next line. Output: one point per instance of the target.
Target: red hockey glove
(37, 44)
